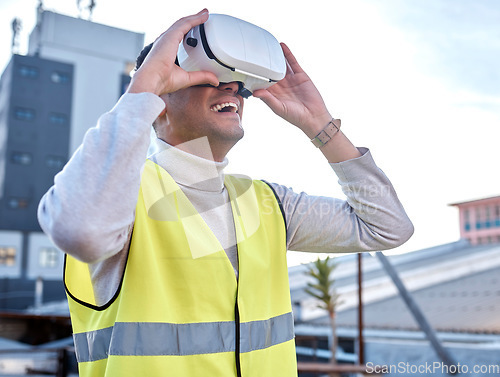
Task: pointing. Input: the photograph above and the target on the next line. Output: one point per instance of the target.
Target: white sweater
(89, 212)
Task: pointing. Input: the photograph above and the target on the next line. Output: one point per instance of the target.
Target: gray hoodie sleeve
(371, 218)
(80, 212)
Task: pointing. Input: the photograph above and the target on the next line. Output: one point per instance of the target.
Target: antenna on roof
(39, 11)
(78, 5)
(16, 29)
(38, 27)
(91, 8)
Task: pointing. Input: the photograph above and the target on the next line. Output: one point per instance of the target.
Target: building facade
(35, 127)
(102, 57)
(480, 220)
(75, 71)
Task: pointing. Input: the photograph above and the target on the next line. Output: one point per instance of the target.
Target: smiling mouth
(227, 107)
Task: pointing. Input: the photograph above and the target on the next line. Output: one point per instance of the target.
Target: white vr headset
(234, 50)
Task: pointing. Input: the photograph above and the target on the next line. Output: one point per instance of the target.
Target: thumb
(202, 77)
(260, 93)
(268, 98)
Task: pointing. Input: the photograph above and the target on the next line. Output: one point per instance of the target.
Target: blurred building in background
(74, 71)
(456, 286)
(480, 220)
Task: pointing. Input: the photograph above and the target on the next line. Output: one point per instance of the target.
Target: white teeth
(220, 106)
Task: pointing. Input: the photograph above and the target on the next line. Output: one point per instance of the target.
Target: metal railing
(57, 362)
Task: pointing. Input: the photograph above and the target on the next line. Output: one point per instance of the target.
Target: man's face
(200, 111)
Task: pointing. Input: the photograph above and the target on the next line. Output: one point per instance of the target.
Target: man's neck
(198, 147)
(197, 170)
(204, 146)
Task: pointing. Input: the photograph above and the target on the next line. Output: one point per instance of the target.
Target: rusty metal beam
(361, 341)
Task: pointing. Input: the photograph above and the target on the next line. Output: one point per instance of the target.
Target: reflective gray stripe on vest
(169, 339)
(258, 335)
(92, 345)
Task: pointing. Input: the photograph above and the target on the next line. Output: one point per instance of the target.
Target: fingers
(182, 26)
(159, 64)
(292, 63)
(187, 23)
(269, 99)
(202, 77)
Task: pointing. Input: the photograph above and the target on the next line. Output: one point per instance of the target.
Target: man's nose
(232, 87)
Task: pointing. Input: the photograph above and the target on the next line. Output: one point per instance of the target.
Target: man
(172, 267)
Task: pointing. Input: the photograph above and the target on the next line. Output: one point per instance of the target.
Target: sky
(417, 82)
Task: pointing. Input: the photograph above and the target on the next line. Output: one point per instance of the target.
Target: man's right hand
(158, 73)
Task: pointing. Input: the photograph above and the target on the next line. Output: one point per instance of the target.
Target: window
(17, 203)
(28, 71)
(56, 118)
(55, 162)
(48, 257)
(60, 77)
(7, 256)
(22, 113)
(478, 213)
(21, 158)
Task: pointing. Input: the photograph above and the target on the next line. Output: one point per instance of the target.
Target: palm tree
(322, 288)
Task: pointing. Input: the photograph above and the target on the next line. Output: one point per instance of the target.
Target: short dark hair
(142, 56)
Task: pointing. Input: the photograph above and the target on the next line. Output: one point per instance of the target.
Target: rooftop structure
(456, 286)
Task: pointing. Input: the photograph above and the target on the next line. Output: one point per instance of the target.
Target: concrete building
(75, 70)
(102, 57)
(35, 97)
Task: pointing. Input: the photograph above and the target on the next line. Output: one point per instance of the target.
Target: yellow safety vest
(180, 311)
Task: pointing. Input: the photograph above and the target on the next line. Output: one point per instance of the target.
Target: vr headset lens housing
(234, 50)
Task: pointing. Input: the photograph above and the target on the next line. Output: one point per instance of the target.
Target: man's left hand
(296, 99)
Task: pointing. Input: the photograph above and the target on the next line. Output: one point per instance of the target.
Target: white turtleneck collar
(188, 169)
